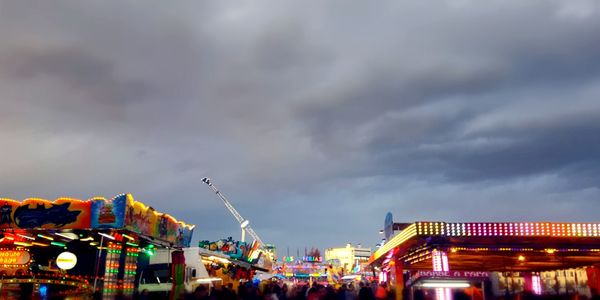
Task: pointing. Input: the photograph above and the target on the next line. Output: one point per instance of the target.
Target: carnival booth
(436, 260)
(308, 269)
(70, 246)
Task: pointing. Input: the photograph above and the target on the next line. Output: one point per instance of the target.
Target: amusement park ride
(244, 223)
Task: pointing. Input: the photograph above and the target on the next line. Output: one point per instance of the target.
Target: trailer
(156, 277)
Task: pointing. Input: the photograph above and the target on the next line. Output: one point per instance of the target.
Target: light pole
(98, 262)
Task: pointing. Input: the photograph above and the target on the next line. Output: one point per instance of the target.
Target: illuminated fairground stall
(70, 246)
(308, 269)
(438, 260)
(302, 269)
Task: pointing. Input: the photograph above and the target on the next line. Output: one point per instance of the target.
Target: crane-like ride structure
(244, 223)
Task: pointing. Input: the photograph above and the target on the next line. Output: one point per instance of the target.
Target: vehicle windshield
(158, 273)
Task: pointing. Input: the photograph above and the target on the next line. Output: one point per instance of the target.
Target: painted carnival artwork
(234, 249)
(58, 215)
(122, 212)
(108, 214)
(146, 220)
(64, 213)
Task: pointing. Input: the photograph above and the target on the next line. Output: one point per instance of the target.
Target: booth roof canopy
(476, 242)
(120, 212)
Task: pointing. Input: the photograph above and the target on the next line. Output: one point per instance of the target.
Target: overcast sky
(315, 118)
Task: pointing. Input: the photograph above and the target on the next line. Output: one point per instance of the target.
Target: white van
(156, 276)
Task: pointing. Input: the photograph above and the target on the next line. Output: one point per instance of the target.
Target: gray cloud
(315, 118)
(78, 70)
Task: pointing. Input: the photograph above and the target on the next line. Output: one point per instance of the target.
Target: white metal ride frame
(243, 222)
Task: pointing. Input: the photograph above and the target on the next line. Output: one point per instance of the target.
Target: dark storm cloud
(537, 58)
(545, 152)
(315, 118)
(79, 70)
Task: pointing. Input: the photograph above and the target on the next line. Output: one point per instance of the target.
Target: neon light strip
(128, 237)
(59, 244)
(26, 236)
(457, 284)
(23, 244)
(440, 261)
(65, 236)
(536, 284)
(46, 237)
(397, 240)
(549, 251)
(106, 235)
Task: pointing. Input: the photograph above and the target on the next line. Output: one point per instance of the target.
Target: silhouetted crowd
(283, 291)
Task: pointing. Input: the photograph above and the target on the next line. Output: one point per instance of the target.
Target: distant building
(350, 258)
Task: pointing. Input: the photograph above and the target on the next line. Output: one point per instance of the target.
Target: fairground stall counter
(439, 260)
(70, 246)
